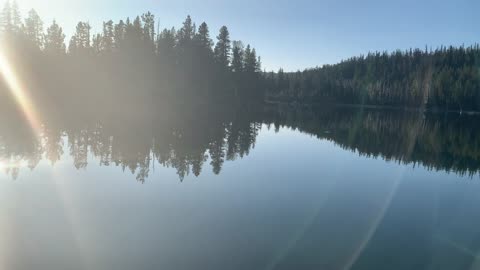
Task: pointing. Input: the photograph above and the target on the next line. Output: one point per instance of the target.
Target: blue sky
(296, 34)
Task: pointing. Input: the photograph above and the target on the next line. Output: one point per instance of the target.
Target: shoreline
(375, 107)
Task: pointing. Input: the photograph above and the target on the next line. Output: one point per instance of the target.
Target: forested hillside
(444, 79)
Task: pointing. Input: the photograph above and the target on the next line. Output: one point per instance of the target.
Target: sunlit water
(292, 200)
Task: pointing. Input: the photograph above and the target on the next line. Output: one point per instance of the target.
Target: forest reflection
(189, 139)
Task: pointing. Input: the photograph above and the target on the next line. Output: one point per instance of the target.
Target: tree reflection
(188, 140)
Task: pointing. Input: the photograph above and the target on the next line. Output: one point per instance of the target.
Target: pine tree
(11, 21)
(258, 66)
(55, 39)
(250, 60)
(223, 47)
(16, 17)
(148, 20)
(6, 18)
(237, 56)
(166, 44)
(137, 29)
(80, 41)
(119, 34)
(186, 33)
(72, 46)
(133, 34)
(107, 39)
(97, 44)
(34, 29)
(203, 37)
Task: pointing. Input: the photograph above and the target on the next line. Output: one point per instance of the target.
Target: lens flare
(19, 92)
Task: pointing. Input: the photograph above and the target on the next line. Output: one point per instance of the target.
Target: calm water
(275, 188)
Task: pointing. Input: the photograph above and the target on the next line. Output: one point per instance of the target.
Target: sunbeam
(18, 91)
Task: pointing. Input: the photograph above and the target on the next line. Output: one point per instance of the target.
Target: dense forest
(130, 63)
(442, 79)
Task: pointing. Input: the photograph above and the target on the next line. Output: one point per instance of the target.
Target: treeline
(442, 79)
(130, 60)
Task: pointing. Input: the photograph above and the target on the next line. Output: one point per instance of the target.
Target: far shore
(376, 107)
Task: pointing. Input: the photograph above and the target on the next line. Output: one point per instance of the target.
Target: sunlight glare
(18, 91)
(16, 164)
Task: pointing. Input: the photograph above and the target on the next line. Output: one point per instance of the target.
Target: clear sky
(295, 34)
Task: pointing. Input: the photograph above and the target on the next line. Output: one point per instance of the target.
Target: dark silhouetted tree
(223, 47)
(237, 56)
(203, 37)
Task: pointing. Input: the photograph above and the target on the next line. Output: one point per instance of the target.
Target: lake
(277, 187)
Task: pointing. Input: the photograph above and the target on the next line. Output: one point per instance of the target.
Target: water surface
(274, 188)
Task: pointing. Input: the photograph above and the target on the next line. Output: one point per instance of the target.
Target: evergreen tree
(203, 37)
(137, 29)
(34, 29)
(133, 33)
(237, 56)
(55, 39)
(258, 66)
(11, 21)
(184, 59)
(72, 45)
(186, 33)
(6, 18)
(98, 44)
(250, 60)
(223, 47)
(119, 34)
(148, 20)
(107, 40)
(82, 35)
(166, 44)
(16, 17)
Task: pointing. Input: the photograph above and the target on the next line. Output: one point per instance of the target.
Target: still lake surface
(284, 188)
